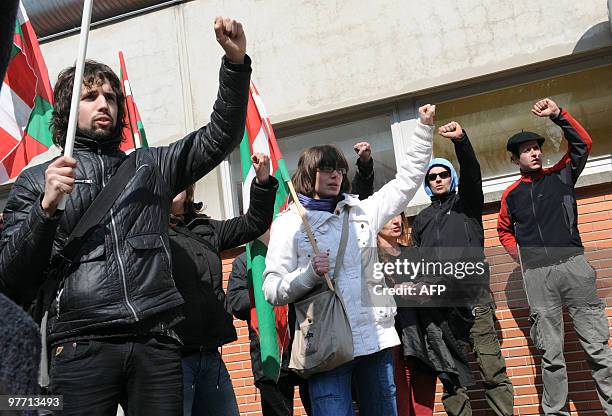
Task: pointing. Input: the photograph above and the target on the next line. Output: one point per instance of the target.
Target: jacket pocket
(535, 332)
(595, 322)
(490, 361)
(362, 228)
(145, 241)
(70, 351)
(385, 313)
(567, 218)
(150, 254)
(467, 232)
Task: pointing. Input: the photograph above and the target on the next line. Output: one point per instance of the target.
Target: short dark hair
(314, 158)
(95, 73)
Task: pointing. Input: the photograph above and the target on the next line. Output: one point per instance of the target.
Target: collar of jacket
(188, 220)
(440, 199)
(83, 142)
(532, 176)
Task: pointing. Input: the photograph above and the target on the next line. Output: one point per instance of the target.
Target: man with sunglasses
(452, 224)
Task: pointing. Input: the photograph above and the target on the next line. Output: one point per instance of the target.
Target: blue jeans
(330, 392)
(207, 387)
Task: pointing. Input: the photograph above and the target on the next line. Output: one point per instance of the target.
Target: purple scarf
(323, 204)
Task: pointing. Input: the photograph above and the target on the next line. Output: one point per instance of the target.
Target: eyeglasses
(330, 170)
(443, 175)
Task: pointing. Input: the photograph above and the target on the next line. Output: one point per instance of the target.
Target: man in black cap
(538, 226)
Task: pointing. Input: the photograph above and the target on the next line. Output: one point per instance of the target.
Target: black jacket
(538, 211)
(454, 219)
(451, 227)
(122, 281)
(239, 303)
(197, 269)
(363, 181)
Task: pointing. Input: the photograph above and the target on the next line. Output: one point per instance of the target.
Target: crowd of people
(132, 309)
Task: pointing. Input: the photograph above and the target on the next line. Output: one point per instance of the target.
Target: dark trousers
(492, 365)
(277, 398)
(142, 374)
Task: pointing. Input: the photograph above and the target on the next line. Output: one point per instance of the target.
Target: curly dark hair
(95, 73)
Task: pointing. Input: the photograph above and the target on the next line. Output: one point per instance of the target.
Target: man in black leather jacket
(109, 332)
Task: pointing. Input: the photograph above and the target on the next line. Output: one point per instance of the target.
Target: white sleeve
(392, 198)
(283, 281)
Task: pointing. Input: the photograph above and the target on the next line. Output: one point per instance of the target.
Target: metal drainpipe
(106, 21)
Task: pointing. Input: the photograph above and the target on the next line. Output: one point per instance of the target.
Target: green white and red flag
(270, 322)
(133, 133)
(26, 101)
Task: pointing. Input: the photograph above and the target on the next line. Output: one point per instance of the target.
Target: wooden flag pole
(76, 88)
(311, 237)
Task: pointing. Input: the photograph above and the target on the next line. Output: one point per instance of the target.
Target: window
(492, 117)
(376, 131)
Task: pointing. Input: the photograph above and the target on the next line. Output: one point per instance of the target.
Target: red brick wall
(595, 210)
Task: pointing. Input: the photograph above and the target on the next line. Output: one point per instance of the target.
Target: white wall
(310, 57)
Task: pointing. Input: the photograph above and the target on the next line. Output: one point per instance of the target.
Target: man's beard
(99, 135)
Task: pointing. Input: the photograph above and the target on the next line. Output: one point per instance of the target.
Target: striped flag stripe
(35, 58)
(38, 125)
(269, 322)
(261, 109)
(21, 79)
(25, 102)
(18, 44)
(253, 122)
(27, 148)
(14, 113)
(133, 133)
(8, 142)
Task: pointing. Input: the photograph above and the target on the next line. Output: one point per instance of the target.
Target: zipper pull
(57, 301)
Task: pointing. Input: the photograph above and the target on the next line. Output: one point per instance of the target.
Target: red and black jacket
(538, 212)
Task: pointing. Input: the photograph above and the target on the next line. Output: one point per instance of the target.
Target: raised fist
(546, 108)
(231, 38)
(261, 164)
(426, 114)
(364, 151)
(451, 130)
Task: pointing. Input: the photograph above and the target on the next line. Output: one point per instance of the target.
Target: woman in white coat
(292, 269)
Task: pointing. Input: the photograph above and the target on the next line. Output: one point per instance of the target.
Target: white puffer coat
(289, 274)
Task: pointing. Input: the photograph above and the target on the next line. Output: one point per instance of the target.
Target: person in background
(196, 242)
(276, 397)
(452, 224)
(538, 226)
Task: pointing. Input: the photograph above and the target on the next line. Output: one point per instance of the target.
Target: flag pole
(76, 88)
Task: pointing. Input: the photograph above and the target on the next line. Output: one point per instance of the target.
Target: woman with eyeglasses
(293, 270)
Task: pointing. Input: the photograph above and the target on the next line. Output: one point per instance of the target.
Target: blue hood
(441, 162)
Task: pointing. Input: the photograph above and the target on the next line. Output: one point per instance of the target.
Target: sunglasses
(443, 175)
(330, 170)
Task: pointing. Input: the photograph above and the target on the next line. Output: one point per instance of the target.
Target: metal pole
(76, 88)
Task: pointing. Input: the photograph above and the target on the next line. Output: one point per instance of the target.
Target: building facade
(347, 71)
